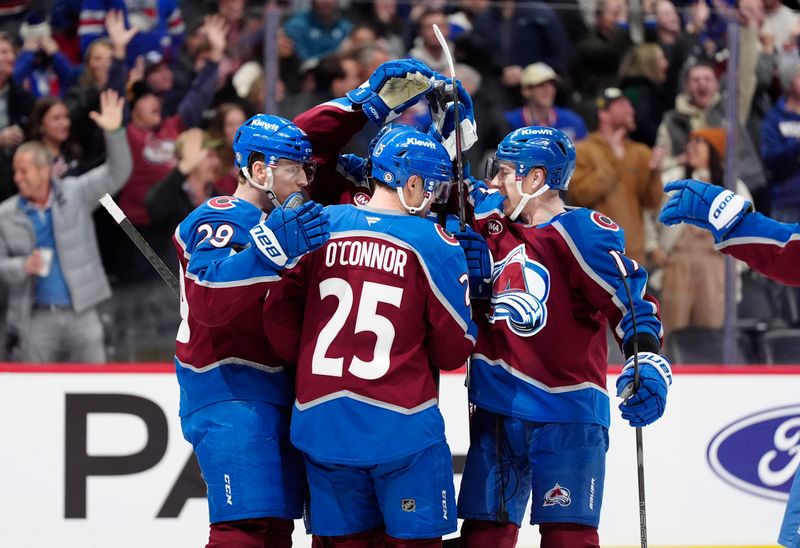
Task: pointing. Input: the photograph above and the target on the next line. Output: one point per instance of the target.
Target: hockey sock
(568, 535)
(367, 539)
(392, 542)
(480, 533)
(251, 533)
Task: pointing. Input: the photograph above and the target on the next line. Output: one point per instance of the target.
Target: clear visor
(291, 169)
(439, 189)
(505, 168)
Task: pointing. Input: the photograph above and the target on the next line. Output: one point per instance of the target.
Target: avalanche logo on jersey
(520, 287)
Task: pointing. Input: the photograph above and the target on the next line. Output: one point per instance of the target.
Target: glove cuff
(657, 362)
(267, 244)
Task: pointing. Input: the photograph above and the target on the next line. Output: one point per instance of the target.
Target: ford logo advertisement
(759, 453)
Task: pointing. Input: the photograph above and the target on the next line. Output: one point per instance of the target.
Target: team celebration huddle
(320, 301)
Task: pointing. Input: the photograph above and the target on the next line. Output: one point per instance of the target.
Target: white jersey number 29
(367, 320)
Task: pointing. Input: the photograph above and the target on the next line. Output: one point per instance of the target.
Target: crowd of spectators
(639, 86)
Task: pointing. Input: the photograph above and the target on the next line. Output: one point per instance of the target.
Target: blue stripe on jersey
(491, 383)
(229, 380)
(370, 430)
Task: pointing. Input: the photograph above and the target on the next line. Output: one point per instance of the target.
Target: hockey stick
(462, 205)
(639, 440)
(122, 220)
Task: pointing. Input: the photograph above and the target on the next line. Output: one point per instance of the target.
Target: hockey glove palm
(290, 233)
(443, 115)
(392, 88)
(646, 404)
(708, 206)
(479, 260)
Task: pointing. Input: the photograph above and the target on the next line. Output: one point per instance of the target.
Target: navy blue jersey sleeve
(598, 245)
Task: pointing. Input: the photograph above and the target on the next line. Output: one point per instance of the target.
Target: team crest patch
(408, 505)
(520, 287)
(494, 226)
(557, 496)
(604, 221)
(446, 236)
(361, 199)
(222, 202)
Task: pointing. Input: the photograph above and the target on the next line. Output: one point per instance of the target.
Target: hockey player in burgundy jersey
(235, 395)
(766, 245)
(234, 390)
(367, 318)
(538, 372)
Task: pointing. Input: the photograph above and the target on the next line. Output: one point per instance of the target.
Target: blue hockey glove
(392, 88)
(479, 260)
(708, 206)
(290, 233)
(647, 404)
(442, 110)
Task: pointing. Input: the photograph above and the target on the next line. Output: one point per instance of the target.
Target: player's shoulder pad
(240, 214)
(432, 242)
(592, 231)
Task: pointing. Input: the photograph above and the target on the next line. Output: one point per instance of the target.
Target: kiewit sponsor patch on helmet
(537, 131)
(557, 495)
(420, 142)
(266, 125)
(604, 221)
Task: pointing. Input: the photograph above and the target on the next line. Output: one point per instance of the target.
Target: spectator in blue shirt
(538, 87)
(318, 32)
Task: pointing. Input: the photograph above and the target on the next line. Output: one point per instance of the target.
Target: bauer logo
(759, 453)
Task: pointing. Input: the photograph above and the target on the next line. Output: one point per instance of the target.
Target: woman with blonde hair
(642, 74)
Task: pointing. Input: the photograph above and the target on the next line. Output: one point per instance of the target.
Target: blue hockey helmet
(272, 136)
(536, 146)
(403, 151)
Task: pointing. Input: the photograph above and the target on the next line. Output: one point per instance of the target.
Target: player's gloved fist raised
(442, 109)
(392, 88)
(289, 233)
(708, 206)
(479, 260)
(646, 404)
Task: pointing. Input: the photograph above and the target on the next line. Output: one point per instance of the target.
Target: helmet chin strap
(410, 209)
(526, 198)
(267, 189)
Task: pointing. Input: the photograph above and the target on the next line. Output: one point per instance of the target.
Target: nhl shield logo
(408, 505)
(557, 496)
(520, 287)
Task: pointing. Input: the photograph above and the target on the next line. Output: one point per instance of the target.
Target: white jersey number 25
(367, 320)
